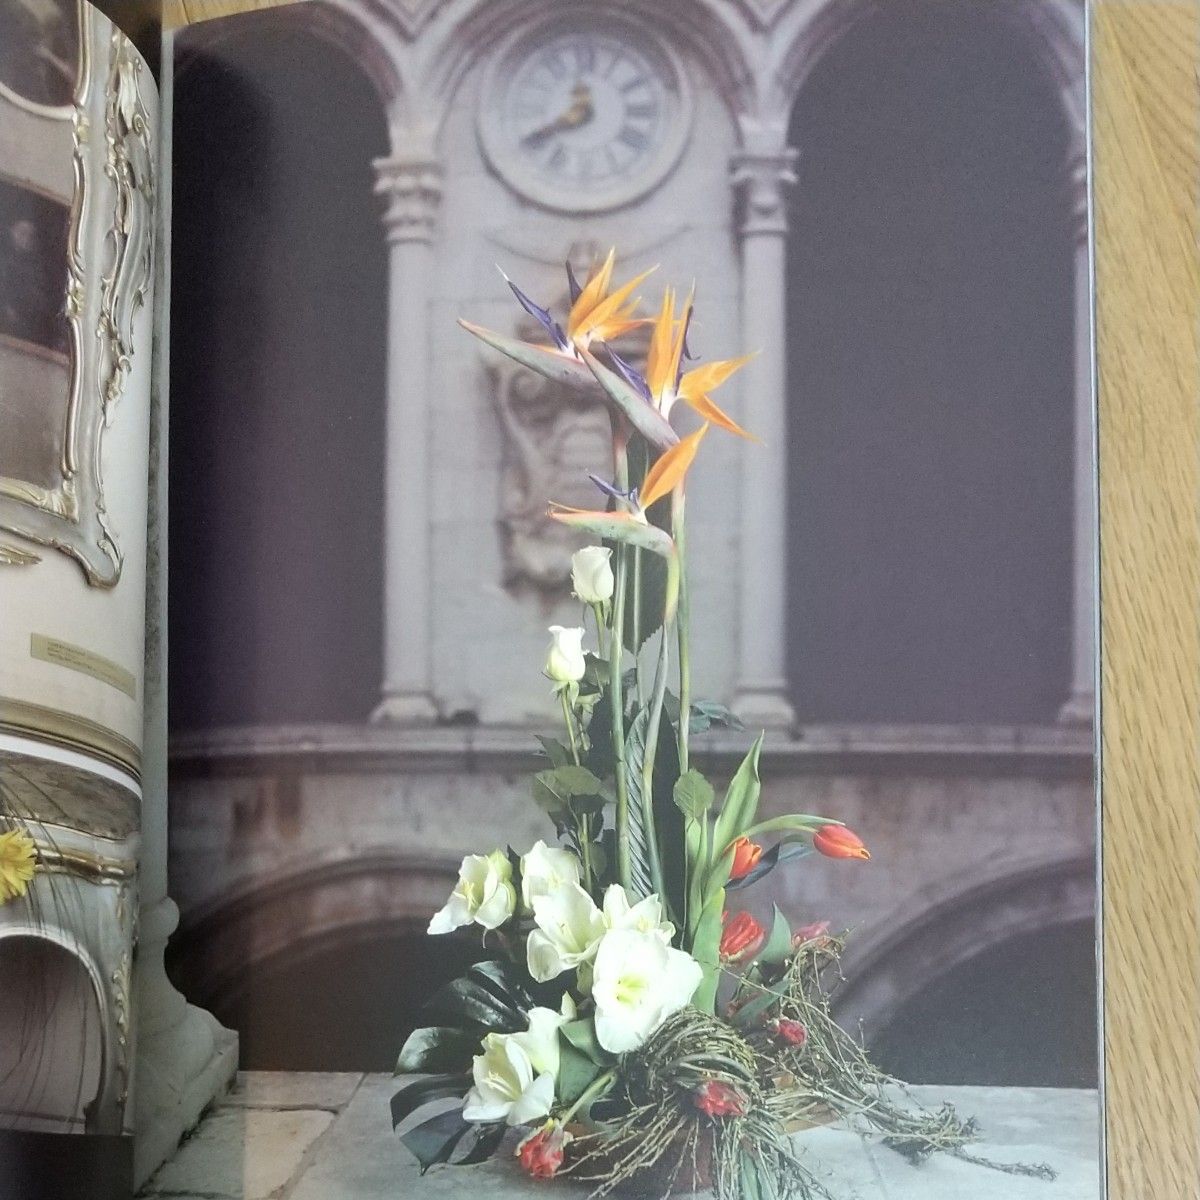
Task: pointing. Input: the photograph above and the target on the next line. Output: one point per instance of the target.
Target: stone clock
(585, 115)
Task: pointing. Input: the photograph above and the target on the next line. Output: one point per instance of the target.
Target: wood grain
(1146, 114)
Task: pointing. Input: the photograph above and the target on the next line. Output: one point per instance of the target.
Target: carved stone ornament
(553, 436)
(60, 399)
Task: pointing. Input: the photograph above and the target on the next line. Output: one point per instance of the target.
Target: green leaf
(706, 714)
(576, 1073)
(754, 1010)
(619, 527)
(778, 947)
(786, 850)
(490, 996)
(437, 1049)
(559, 368)
(424, 1091)
(582, 1035)
(556, 752)
(705, 949)
(741, 800)
(791, 823)
(554, 789)
(640, 848)
(693, 794)
(645, 418)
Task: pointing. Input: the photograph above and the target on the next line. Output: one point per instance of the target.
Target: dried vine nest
(650, 1139)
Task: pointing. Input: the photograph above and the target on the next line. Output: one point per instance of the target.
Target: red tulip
(792, 1032)
(817, 931)
(541, 1153)
(836, 841)
(742, 937)
(745, 857)
(716, 1099)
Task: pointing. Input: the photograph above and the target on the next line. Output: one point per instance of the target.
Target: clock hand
(581, 111)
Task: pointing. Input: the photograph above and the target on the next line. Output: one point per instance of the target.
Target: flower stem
(678, 531)
(570, 720)
(597, 1087)
(601, 627)
(616, 645)
(636, 622)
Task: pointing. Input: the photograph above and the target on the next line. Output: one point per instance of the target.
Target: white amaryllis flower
(484, 894)
(564, 661)
(592, 575)
(545, 869)
(646, 916)
(514, 1077)
(569, 928)
(637, 982)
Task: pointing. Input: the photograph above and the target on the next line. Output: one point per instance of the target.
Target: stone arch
(967, 916)
(1053, 30)
(300, 911)
(714, 34)
(356, 31)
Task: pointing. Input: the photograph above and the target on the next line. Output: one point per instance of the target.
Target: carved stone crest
(553, 436)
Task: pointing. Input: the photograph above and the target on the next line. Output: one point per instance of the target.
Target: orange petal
(710, 376)
(669, 470)
(662, 344)
(593, 291)
(710, 412)
(609, 307)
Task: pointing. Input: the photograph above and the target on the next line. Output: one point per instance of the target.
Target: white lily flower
(545, 869)
(637, 982)
(592, 574)
(569, 928)
(565, 662)
(484, 894)
(646, 916)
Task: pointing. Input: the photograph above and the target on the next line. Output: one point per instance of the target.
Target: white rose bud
(591, 574)
(564, 662)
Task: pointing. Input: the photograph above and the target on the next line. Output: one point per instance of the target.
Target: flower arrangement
(644, 1034)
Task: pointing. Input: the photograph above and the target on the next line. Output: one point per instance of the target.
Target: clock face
(584, 119)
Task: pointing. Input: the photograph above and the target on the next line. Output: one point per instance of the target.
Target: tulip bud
(745, 857)
(564, 662)
(793, 1033)
(741, 938)
(836, 841)
(541, 1153)
(817, 932)
(591, 574)
(717, 1099)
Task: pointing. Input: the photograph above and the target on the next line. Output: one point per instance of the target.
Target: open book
(272, 231)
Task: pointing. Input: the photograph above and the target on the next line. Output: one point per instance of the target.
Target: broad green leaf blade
(693, 794)
(550, 364)
(437, 1049)
(791, 823)
(424, 1091)
(433, 1142)
(582, 1035)
(705, 949)
(640, 848)
(778, 947)
(741, 800)
(706, 714)
(781, 852)
(642, 415)
(618, 527)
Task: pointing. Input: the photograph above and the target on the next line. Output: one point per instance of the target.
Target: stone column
(183, 1057)
(761, 178)
(411, 185)
(1081, 703)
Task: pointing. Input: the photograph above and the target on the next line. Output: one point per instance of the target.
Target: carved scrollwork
(108, 273)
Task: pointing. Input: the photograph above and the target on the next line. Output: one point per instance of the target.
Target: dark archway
(278, 344)
(1020, 1014)
(930, 302)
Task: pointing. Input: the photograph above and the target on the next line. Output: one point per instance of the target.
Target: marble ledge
(456, 748)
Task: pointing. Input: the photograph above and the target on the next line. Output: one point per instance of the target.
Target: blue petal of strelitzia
(610, 490)
(631, 374)
(539, 314)
(573, 286)
(687, 355)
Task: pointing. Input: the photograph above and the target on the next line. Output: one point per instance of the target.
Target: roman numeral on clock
(633, 137)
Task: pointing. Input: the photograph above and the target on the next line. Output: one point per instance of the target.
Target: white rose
(484, 894)
(569, 928)
(545, 869)
(591, 574)
(564, 662)
(637, 982)
(514, 1077)
(645, 916)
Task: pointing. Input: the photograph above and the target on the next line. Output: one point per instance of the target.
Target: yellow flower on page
(18, 861)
